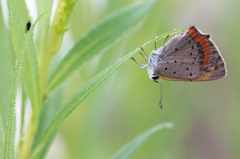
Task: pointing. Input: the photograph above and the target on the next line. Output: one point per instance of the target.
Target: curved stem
(29, 137)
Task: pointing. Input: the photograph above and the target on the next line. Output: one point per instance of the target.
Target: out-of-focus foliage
(205, 114)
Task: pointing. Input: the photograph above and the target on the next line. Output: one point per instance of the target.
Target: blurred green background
(205, 114)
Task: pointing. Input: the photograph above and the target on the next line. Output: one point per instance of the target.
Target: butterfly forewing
(190, 56)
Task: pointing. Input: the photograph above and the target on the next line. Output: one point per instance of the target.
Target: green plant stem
(43, 72)
(30, 134)
(57, 30)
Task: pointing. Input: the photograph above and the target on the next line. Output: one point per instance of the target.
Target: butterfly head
(152, 63)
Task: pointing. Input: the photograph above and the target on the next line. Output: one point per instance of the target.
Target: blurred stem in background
(56, 33)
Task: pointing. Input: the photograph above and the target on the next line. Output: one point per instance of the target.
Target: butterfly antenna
(160, 103)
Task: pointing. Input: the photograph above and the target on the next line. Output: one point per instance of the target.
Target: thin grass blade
(131, 147)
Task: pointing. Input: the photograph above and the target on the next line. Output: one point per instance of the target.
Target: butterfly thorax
(153, 61)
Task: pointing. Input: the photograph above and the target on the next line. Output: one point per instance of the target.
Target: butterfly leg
(166, 39)
(155, 44)
(144, 55)
(139, 65)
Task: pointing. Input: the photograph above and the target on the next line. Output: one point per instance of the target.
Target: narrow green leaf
(18, 16)
(6, 78)
(2, 136)
(30, 76)
(97, 40)
(23, 107)
(127, 150)
(43, 27)
(10, 132)
(82, 93)
(17, 13)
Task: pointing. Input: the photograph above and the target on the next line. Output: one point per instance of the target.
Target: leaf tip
(169, 125)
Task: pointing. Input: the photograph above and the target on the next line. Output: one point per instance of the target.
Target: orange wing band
(201, 39)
